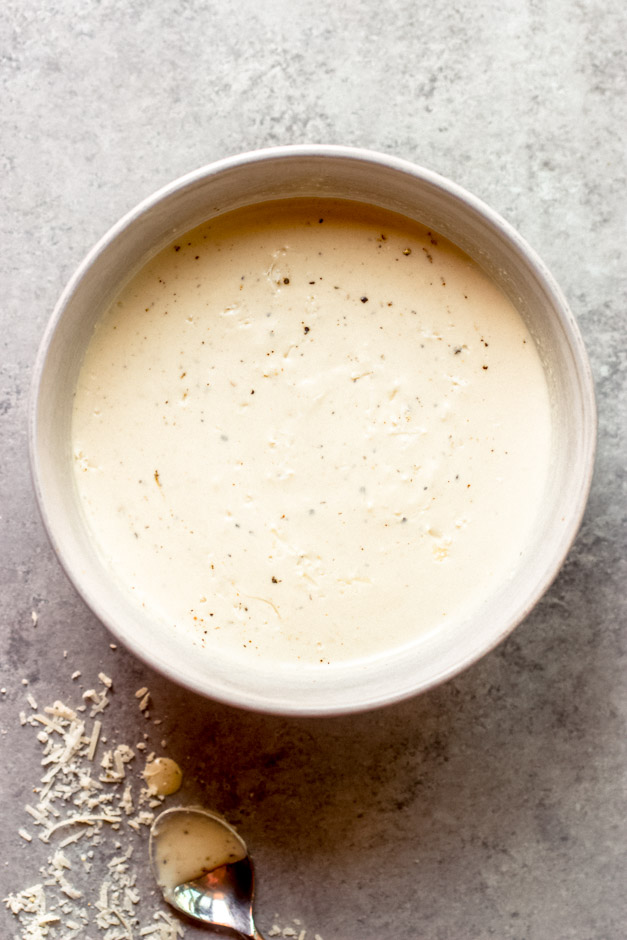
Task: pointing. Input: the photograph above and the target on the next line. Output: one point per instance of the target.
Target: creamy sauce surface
(163, 776)
(310, 432)
(187, 844)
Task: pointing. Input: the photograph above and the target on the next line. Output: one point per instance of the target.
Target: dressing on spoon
(203, 869)
(186, 844)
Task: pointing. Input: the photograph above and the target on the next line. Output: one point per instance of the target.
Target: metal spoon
(221, 897)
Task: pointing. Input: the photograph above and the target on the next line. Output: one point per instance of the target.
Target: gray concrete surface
(495, 805)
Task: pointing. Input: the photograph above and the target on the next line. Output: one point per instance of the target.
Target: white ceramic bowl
(367, 177)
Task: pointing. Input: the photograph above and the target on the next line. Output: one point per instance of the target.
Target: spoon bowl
(203, 869)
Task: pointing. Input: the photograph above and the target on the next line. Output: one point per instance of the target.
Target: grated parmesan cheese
(59, 710)
(69, 798)
(61, 905)
(93, 741)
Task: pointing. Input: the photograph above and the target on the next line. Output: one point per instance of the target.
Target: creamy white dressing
(186, 844)
(163, 776)
(311, 431)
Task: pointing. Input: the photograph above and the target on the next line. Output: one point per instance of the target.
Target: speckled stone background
(495, 805)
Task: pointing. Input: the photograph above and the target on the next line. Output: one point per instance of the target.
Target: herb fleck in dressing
(311, 431)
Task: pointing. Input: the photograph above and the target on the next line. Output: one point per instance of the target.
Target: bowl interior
(390, 184)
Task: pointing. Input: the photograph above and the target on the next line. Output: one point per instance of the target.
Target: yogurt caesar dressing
(310, 431)
(185, 844)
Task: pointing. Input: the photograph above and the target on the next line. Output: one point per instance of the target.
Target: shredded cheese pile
(90, 809)
(93, 810)
(293, 933)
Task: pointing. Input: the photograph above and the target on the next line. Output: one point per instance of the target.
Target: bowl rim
(458, 194)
